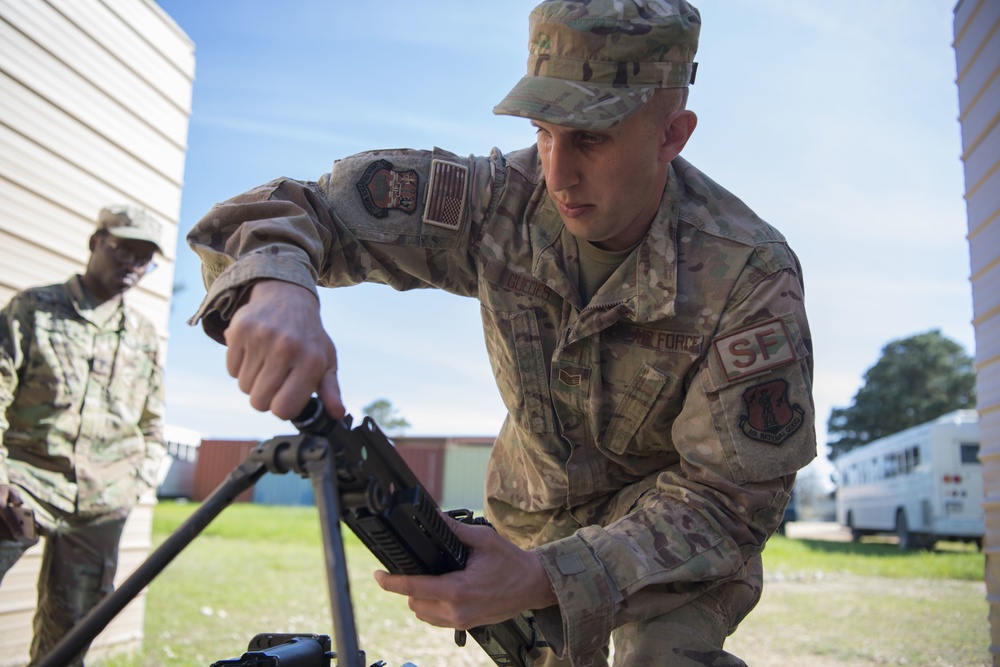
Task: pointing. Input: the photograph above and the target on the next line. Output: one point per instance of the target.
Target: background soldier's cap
(129, 222)
(593, 64)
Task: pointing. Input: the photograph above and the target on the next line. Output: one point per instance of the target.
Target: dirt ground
(775, 636)
(879, 642)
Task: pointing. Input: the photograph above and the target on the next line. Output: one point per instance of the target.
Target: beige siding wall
(464, 476)
(95, 97)
(977, 55)
(94, 102)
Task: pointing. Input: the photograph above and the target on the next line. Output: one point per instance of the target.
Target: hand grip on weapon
(499, 581)
(279, 352)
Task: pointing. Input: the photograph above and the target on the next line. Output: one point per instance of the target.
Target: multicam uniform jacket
(653, 433)
(81, 403)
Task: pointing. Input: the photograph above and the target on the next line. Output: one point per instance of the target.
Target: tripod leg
(84, 632)
(324, 484)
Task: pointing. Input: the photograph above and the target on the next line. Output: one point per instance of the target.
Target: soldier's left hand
(499, 581)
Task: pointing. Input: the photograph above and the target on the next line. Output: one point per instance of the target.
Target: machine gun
(385, 505)
(358, 477)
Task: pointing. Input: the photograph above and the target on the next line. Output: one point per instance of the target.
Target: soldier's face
(607, 184)
(117, 264)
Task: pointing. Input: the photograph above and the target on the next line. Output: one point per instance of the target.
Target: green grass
(300, 525)
(244, 521)
(261, 569)
(948, 561)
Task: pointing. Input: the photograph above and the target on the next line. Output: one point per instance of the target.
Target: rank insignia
(574, 376)
(770, 417)
(382, 189)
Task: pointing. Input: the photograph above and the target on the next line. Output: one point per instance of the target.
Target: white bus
(924, 484)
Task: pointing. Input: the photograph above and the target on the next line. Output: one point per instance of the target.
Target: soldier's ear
(678, 126)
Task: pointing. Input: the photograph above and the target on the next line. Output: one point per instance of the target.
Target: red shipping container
(216, 460)
(425, 456)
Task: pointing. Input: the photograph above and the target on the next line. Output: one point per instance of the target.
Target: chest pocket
(635, 406)
(59, 365)
(517, 357)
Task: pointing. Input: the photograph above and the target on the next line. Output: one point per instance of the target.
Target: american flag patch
(446, 194)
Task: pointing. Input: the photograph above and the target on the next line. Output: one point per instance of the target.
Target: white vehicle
(924, 484)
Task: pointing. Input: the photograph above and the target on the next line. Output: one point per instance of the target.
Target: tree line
(915, 380)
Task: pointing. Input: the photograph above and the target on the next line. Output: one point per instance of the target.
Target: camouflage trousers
(690, 636)
(79, 561)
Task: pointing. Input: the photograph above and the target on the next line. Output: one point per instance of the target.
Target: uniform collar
(645, 285)
(111, 312)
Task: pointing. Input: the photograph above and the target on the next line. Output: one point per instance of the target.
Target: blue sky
(839, 126)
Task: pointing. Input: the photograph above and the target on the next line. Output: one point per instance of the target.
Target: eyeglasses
(130, 257)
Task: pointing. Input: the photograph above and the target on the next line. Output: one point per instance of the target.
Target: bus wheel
(907, 540)
(855, 532)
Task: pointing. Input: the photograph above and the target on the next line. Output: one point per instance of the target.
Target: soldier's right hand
(17, 523)
(279, 352)
(9, 497)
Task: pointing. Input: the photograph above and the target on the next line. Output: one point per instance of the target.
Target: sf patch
(770, 417)
(382, 189)
(755, 350)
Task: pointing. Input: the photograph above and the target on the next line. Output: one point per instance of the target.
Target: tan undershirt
(596, 266)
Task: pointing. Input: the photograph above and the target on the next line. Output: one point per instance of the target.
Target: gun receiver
(384, 504)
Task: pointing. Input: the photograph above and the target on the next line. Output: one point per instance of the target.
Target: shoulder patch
(769, 416)
(446, 194)
(382, 188)
(755, 349)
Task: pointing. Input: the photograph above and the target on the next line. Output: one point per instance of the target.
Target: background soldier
(633, 309)
(81, 406)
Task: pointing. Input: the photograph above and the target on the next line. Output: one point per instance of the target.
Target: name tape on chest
(755, 349)
(656, 339)
(518, 283)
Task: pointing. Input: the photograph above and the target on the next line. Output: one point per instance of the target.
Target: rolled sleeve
(584, 591)
(279, 231)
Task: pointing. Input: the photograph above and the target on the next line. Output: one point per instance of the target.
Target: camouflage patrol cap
(593, 64)
(129, 222)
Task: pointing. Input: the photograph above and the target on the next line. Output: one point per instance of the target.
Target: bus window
(970, 452)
